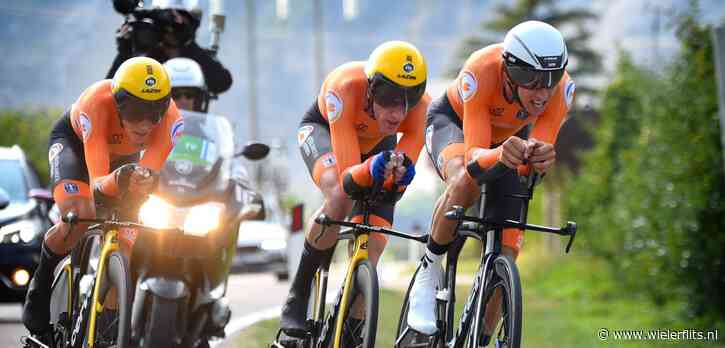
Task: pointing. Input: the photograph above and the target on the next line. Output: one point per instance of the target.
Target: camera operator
(166, 31)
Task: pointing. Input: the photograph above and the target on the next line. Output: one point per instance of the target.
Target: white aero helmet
(185, 72)
(187, 5)
(535, 55)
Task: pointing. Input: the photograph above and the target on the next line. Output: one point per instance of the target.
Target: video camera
(148, 27)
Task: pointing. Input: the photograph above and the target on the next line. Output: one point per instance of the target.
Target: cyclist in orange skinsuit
(477, 130)
(92, 155)
(346, 140)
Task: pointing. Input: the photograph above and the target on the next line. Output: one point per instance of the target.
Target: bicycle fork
(110, 244)
(360, 254)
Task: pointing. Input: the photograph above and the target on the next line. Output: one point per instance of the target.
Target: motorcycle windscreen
(191, 165)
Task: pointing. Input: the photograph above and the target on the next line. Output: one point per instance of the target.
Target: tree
(30, 129)
(650, 197)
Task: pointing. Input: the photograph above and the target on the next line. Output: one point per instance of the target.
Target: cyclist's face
(184, 103)
(139, 133)
(535, 100)
(389, 117)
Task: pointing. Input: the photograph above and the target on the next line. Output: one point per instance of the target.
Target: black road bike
(496, 274)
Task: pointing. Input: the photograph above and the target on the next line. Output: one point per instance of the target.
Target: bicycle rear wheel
(113, 330)
(360, 333)
(407, 338)
(502, 278)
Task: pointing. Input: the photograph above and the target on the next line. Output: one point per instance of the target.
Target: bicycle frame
(360, 254)
(110, 244)
(360, 233)
(491, 234)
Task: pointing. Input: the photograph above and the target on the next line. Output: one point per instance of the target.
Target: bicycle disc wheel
(112, 330)
(504, 279)
(361, 333)
(407, 338)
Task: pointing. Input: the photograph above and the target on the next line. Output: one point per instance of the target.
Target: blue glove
(407, 178)
(377, 166)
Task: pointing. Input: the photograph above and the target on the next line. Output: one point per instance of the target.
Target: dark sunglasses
(528, 78)
(387, 94)
(134, 110)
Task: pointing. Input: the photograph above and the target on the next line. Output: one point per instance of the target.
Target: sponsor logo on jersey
(303, 133)
(176, 129)
(334, 106)
(71, 188)
(467, 86)
(328, 160)
(522, 114)
(54, 150)
(86, 126)
(361, 127)
(115, 139)
(496, 111)
(569, 93)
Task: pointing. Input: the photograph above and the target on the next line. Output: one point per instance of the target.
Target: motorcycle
(186, 283)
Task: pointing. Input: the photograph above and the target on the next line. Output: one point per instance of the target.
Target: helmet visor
(133, 109)
(388, 94)
(529, 78)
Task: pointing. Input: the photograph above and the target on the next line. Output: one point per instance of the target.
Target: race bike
(169, 286)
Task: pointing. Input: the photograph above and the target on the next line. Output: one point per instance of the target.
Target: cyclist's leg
(444, 142)
(316, 149)
(71, 192)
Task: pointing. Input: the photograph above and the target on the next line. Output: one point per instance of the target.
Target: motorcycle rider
(188, 86)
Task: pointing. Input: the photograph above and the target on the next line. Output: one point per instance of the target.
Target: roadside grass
(567, 301)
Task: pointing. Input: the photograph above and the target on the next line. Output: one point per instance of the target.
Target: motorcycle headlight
(23, 230)
(156, 213)
(203, 218)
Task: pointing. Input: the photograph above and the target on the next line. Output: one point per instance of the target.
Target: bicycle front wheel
(359, 330)
(112, 329)
(502, 296)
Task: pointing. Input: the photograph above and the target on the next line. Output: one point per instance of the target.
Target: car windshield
(12, 180)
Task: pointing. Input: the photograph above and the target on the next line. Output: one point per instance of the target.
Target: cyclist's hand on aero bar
(404, 170)
(514, 152)
(379, 166)
(141, 181)
(541, 155)
(134, 179)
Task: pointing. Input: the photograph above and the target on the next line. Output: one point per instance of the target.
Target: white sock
(435, 259)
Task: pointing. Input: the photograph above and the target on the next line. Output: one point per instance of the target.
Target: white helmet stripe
(533, 57)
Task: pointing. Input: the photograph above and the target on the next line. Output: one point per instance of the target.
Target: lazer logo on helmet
(408, 67)
(407, 76)
(150, 81)
(550, 61)
(150, 90)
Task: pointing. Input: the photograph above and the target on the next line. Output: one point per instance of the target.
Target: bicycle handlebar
(324, 220)
(72, 218)
(472, 226)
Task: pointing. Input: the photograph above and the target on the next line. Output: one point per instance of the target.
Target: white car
(262, 246)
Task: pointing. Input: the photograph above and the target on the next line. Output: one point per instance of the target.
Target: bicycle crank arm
(34, 341)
